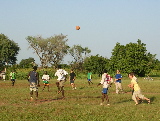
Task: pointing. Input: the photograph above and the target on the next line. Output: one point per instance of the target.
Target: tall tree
(132, 57)
(50, 50)
(27, 63)
(79, 54)
(96, 64)
(8, 50)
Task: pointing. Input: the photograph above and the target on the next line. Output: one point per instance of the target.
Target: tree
(8, 50)
(132, 57)
(50, 50)
(79, 54)
(96, 64)
(27, 63)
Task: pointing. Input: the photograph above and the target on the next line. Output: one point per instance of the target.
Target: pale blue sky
(103, 23)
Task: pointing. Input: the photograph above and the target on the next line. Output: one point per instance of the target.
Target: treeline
(132, 57)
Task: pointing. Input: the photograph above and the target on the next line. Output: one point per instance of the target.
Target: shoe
(136, 104)
(31, 98)
(59, 92)
(75, 88)
(108, 104)
(101, 103)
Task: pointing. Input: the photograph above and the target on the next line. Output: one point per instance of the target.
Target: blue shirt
(117, 76)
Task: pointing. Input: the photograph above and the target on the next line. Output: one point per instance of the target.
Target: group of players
(106, 81)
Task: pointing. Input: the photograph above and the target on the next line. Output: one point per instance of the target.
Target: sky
(103, 23)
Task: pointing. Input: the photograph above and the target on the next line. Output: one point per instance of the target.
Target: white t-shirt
(45, 77)
(61, 74)
(104, 82)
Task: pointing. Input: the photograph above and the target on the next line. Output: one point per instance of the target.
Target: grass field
(82, 104)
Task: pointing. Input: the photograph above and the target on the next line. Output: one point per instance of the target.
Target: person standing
(45, 79)
(4, 76)
(106, 81)
(118, 82)
(89, 77)
(13, 77)
(33, 79)
(62, 75)
(137, 91)
(72, 78)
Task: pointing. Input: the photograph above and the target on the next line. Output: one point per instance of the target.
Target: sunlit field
(82, 104)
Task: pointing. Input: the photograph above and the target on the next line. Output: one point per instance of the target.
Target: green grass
(79, 105)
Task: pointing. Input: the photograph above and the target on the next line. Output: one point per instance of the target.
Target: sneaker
(108, 104)
(101, 103)
(31, 98)
(75, 88)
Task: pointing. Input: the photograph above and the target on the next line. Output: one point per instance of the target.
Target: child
(62, 75)
(13, 77)
(72, 78)
(33, 79)
(118, 81)
(106, 81)
(137, 91)
(45, 79)
(89, 77)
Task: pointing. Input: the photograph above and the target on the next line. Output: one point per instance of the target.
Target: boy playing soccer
(45, 79)
(137, 91)
(106, 82)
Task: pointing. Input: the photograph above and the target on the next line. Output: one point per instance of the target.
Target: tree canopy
(50, 50)
(132, 57)
(8, 50)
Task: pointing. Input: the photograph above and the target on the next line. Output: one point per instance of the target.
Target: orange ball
(77, 27)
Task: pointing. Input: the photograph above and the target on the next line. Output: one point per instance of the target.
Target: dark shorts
(71, 81)
(13, 80)
(89, 79)
(105, 90)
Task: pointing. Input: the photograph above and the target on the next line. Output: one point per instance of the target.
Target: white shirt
(61, 74)
(104, 82)
(45, 77)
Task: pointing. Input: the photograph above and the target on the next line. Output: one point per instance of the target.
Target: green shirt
(89, 75)
(13, 75)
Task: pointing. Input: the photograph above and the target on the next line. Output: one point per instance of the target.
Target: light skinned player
(137, 91)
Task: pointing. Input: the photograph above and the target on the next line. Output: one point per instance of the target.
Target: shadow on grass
(49, 100)
(152, 99)
(122, 101)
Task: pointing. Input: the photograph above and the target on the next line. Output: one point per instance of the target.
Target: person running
(62, 75)
(13, 77)
(137, 91)
(33, 79)
(45, 79)
(106, 82)
(72, 78)
(89, 77)
(118, 82)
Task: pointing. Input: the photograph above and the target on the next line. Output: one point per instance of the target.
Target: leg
(107, 99)
(120, 87)
(103, 96)
(62, 90)
(43, 87)
(149, 101)
(134, 98)
(57, 83)
(13, 82)
(31, 95)
(36, 93)
(117, 90)
(48, 88)
(89, 82)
